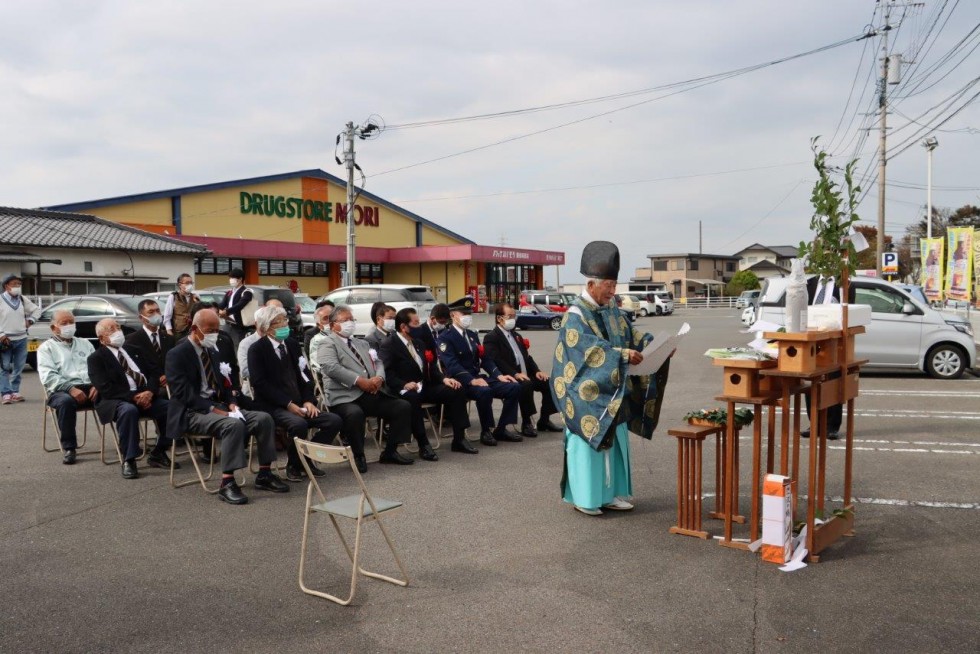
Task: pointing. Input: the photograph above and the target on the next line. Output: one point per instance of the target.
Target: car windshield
(131, 303)
(306, 303)
(420, 294)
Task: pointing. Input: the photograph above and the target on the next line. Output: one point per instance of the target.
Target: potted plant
(715, 417)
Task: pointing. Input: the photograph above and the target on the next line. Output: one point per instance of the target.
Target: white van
(904, 333)
(656, 303)
(401, 296)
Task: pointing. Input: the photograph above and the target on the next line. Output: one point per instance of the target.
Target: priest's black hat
(600, 259)
(463, 304)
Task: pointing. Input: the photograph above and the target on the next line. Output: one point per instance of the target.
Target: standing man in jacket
(509, 352)
(17, 313)
(177, 312)
(232, 304)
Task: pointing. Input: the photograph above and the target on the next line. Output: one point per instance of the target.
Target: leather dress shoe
(270, 482)
(395, 458)
(295, 473)
(547, 425)
(129, 470)
(486, 437)
(232, 494)
(508, 434)
(833, 435)
(428, 454)
(160, 460)
(462, 445)
(69, 457)
(527, 429)
(805, 433)
(361, 463)
(316, 471)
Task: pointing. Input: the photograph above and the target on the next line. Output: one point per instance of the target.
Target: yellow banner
(932, 267)
(959, 267)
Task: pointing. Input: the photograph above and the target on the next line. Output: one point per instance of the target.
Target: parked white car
(401, 296)
(656, 303)
(904, 333)
(747, 298)
(748, 315)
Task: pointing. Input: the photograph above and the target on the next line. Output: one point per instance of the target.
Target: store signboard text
(280, 206)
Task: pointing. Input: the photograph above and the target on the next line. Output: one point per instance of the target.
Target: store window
(292, 268)
(504, 282)
(370, 273)
(216, 265)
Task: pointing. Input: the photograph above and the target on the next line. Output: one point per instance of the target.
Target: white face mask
(510, 323)
(465, 321)
(389, 324)
(117, 338)
(210, 341)
(14, 291)
(438, 326)
(347, 328)
(188, 288)
(233, 282)
(67, 331)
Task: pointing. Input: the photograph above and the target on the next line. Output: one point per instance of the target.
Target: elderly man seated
(126, 394)
(62, 365)
(253, 338)
(282, 386)
(315, 340)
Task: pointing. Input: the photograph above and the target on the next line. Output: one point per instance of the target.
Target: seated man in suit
(417, 378)
(427, 334)
(282, 386)
(462, 358)
(201, 402)
(509, 352)
(253, 338)
(62, 365)
(384, 325)
(126, 394)
(149, 345)
(355, 386)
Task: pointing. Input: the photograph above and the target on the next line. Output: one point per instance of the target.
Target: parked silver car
(360, 298)
(904, 333)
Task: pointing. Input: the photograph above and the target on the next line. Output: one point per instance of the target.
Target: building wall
(218, 213)
(149, 212)
(433, 237)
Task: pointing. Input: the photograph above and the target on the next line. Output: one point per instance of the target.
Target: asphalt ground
(91, 562)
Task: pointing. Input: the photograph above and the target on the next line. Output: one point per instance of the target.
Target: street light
(929, 144)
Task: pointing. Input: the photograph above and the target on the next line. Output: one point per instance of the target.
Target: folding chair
(360, 508)
(411, 445)
(48, 411)
(144, 422)
(191, 449)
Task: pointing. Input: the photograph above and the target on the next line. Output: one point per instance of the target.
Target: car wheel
(643, 313)
(556, 323)
(659, 311)
(32, 360)
(945, 362)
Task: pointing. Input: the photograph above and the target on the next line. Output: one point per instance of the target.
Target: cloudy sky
(111, 98)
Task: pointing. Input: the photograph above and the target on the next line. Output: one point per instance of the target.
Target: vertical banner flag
(932, 269)
(976, 261)
(959, 268)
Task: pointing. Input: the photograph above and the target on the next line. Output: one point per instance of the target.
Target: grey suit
(340, 368)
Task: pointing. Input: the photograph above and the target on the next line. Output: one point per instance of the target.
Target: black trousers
(835, 415)
(509, 392)
(396, 412)
(454, 400)
(528, 388)
(127, 426)
(66, 411)
(328, 425)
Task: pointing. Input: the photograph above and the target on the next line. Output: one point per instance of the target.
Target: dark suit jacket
(184, 382)
(375, 338)
(462, 361)
(811, 289)
(500, 351)
(267, 374)
(112, 382)
(400, 367)
(140, 348)
(243, 297)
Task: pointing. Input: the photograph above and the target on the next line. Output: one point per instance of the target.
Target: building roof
(765, 264)
(690, 255)
(57, 229)
(314, 173)
(781, 251)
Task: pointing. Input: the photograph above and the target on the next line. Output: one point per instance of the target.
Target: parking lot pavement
(92, 562)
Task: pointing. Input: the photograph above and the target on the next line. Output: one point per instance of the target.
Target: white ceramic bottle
(796, 299)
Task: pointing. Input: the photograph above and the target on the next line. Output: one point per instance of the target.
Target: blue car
(536, 316)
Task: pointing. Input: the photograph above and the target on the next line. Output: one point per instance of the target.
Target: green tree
(743, 280)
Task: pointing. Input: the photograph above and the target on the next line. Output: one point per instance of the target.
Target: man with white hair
(282, 386)
(62, 365)
(254, 337)
(322, 317)
(125, 395)
(592, 388)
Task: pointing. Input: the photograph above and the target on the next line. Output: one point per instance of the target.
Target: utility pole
(350, 276)
(930, 144)
(700, 239)
(882, 138)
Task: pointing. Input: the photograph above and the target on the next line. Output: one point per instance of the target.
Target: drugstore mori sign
(261, 204)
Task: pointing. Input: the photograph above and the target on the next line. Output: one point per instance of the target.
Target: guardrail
(705, 303)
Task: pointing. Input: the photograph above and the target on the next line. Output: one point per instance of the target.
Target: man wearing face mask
(17, 313)
(322, 317)
(202, 401)
(509, 352)
(177, 313)
(126, 394)
(463, 358)
(427, 335)
(355, 385)
(149, 345)
(232, 304)
(254, 338)
(282, 385)
(384, 325)
(62, 365)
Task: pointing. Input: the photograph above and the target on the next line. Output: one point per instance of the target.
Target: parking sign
(889, 263)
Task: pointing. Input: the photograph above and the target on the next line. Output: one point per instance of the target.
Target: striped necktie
(156, 342)
(209, 371)
(350, 344)
(137, 377)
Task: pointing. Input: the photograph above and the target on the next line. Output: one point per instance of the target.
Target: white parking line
(928, 504)
(901, 450)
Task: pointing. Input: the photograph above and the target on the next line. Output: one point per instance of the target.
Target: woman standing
(16, 315)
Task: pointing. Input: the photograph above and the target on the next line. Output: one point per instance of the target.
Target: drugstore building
(290, 230)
